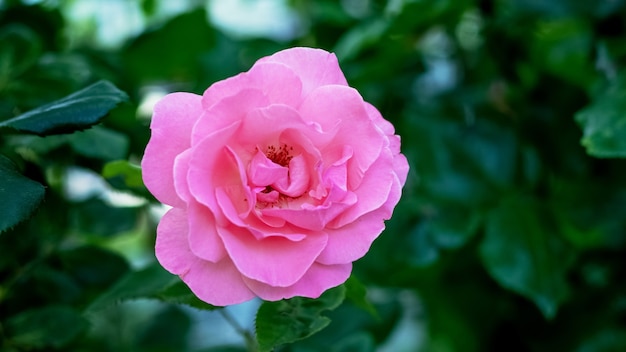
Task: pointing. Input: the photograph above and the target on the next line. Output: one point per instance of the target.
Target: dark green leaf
(180, 293)
(51, 326)
(94, 266)
(357, 293)
(181, 60)
(152, 282)
(76, 111)
(522, 252)
(144, 283)
(167, 331)
(286, 321)
(604, 122)
(19, 195)
(562, 48)
(96, 217)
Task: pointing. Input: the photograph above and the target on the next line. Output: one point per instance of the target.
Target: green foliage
(152, 282)
(130, 174)
(51, 326)
(75, 112)
(604, 121)
(525, 254)
(289, 320)
(510, 233)
(19, 195)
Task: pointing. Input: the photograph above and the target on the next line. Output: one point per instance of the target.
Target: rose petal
(315, 67)
(171, 247)
(263, 126)
(172, 121)
(276, 261)
(219, 284)
(329, 105)
(226, 112)
(373, 191)
(296, 181)
(181, 169)
(263, 172)
(317, 279)
(378, 119)
(203, 238)
(351, 242)
(277, 81)
(401, 167)
(313, 217)
(211, 165)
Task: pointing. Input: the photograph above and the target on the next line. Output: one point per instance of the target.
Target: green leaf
(99, 143)
(604, 122)
(51, 326)
(167, 331)
(76, 111)
(152, 282)
(562, 48)
(181, 60)
(97, 217)
(93, 265)
(286, 321)
(144, 283)
(359, 38)
(19, 195)
(523, 253)
(357, 293)
(180, 293)
(130, 173)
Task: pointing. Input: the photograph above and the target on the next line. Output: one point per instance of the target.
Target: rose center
(281, 155)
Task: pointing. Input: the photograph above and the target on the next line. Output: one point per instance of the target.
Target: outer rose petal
(315, 67)
(351, 242)
(276, 261)
(219, 283)
(172, 121)
(318, 279)
(373, 191)
(171, 248)
(277, 81)
(203, 238)
(227, 112)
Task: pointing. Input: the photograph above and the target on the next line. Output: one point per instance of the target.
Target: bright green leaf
(604, 122)
(19, 195)
(76, 111)
(286, 321)
(523, 253)
(130, 173)
(51, 326)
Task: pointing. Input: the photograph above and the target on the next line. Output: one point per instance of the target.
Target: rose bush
(279, 178)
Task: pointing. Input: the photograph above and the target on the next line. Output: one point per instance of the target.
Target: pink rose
(279, 178)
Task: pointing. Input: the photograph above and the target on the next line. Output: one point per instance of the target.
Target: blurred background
(511, 234)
